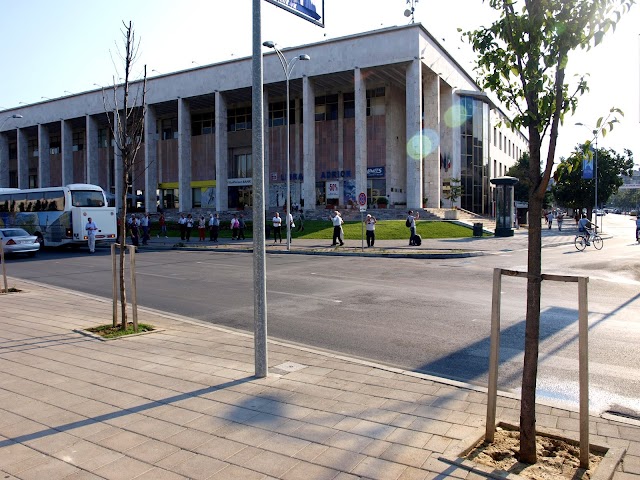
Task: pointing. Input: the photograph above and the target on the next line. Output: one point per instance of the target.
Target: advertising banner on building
(333, 190)
(310, 10)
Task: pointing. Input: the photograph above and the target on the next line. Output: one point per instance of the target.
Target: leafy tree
(126, 111)
(627, 199)
(522, 58)
(573, 191)
(454, 192)
(520, 170)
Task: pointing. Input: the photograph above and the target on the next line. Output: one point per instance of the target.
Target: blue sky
(51, 48)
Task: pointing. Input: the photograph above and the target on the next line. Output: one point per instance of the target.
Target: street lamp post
(287, 66)
(596, 134)
(15, 115)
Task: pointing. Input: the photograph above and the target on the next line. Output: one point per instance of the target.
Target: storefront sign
(239, 182)
(296, 177)
(335, 174)
(333, 190)
(375, 172)
(311, 10)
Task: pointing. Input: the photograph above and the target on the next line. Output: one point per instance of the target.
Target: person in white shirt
(91, 228)
(144, 224)
(277, 227)
(182, 223)
(550, 219)
(291, 227)
(370, 225)
(412, 225)
(337, 221)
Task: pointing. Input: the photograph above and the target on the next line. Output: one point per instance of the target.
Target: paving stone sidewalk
(183, 403)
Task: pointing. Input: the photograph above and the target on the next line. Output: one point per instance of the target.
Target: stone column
(44, 157)
(184, 155)
(341, 130)
(222, 153)
(23, 159)
(93, 169)
(432, 182)
(395, 171)
(414, 134)
(66, 137)
(117, 163)
(447, 138)
(360, 94)
(150, 160)
(309, 144)
(297, 154)
(4, 161)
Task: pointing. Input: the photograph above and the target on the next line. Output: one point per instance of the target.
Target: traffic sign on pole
(362, 198)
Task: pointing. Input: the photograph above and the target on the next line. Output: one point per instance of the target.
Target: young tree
(454, 192)
(522, 58)
(126, 110)
(571, 190)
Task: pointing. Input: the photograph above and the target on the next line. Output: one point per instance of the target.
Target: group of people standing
(138, 228)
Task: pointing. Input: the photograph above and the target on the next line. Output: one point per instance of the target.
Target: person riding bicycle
(583, 225)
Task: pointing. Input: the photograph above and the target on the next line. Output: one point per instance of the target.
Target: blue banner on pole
(587, 168)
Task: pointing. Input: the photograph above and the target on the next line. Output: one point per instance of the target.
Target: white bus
(58, 215)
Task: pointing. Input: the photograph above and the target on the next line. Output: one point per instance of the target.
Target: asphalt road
(431, 316)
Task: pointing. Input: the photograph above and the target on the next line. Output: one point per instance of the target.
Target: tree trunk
(532, 326)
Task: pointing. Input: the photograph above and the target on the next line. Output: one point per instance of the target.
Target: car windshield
(87, 198)
(15, 232)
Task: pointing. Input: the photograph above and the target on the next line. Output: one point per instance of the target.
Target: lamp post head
(269, 44)
(16, 115)
(304, 57)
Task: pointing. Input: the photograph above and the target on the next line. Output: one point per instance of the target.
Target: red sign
(362, 198)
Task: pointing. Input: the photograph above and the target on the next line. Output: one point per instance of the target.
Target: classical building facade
(387, 112)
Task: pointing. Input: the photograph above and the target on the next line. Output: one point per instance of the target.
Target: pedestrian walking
(135, 231)
(277, 227)
(292, 225)
(235, 227)
(300, 222)
(91, 228)
(550, 219)
(202, 228)
(370, 226)
(189, 228)
(560, 219)
(241, 226)
(336, 220)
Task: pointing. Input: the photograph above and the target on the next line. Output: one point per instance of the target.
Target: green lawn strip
(109, 331)
(385, 230)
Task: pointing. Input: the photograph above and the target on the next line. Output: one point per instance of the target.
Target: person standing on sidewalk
(370, 225)
(91, 228)
(189, 227)
(411, 222)
(336, 220)
(163, 226)
(202, 228)
(182, 224)
(214, 227)
(277, 227)
(234, 225)
(144, 224)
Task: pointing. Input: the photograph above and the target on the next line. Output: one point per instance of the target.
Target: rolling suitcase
(417, 240)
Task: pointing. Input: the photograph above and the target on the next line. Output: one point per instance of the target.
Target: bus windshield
(87, 198)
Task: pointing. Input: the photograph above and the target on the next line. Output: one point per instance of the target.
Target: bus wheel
(40, 239)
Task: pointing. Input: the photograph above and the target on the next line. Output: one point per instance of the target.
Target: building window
(241, 166)
(239, 118)
(326, 107)
(77, 141)
(375, 102)
(33, 148)
(54, 144)
(349, 102)
(277, 114)
(102, 138)
(196, 197)
(495, 137)
(202, 124)
(169, 128)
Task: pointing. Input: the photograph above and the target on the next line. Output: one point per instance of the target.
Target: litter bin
(477, 229)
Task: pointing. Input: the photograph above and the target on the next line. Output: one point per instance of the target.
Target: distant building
(393, 115)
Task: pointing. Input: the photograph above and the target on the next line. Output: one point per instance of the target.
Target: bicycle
(581, 243)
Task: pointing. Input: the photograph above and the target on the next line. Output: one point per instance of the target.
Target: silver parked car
(18, 240)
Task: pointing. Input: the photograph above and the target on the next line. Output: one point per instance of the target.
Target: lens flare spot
(422, 144)
(455, 116)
